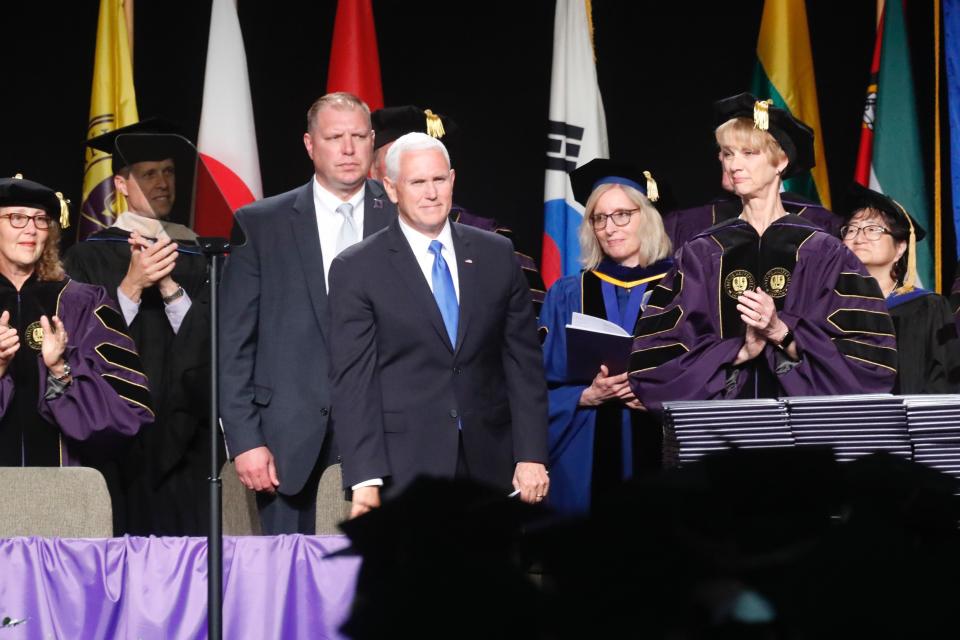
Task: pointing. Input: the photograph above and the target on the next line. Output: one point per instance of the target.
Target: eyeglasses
(20, 220)
(870, 231)
(620, 218)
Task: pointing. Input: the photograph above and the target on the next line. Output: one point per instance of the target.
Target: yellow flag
(113, 104)
(784, 73)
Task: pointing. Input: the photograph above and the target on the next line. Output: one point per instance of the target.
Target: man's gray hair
(415, 141)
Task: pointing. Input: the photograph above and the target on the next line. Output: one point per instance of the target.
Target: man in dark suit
(275, 328)
(436, 366)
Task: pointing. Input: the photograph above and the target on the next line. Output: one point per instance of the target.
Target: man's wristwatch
(786, 341)
(66, 372)
(176, 295)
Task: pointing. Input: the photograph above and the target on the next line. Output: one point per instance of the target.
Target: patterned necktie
(444, 292)
(348, 230)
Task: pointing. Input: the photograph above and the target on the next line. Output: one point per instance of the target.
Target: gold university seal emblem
(738, 281)
(776, 282)
(34, 335)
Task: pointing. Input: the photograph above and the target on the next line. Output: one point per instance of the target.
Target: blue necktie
(444, 292)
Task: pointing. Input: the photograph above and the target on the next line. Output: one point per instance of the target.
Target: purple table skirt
(146, 588)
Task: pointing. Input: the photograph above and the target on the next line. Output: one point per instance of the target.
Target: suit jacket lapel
(467, 275)
(405, 263)
(307, 237)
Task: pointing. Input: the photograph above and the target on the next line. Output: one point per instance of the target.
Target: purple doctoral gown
(685, 224)
(691, 331)
(527, 263)
(107, 399)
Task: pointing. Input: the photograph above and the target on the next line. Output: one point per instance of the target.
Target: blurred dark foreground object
(782, 543)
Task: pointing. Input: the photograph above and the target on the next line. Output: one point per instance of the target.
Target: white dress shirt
(329, 222)
(420, 244)
(151, 228)
(421, 250)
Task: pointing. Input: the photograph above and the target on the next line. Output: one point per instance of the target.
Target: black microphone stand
(215, 249)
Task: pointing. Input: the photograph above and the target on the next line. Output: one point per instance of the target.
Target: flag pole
(937, 179)
(215, 249)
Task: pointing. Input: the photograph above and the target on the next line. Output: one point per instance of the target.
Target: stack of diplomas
(852, 425)
(934, 425)
(693, 429)
(923, 428)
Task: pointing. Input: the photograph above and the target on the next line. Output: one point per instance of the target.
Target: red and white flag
(354, 61)
(229, 173)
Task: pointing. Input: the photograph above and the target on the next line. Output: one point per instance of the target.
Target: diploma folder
(594, 341)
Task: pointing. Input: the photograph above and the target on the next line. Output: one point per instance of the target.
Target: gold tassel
(761, 114)
(64, 211)
(653, 193)
(434, 124)
(910, 278)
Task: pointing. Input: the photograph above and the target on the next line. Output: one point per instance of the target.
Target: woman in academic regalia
(884, 236)
(600, 434)
(71, 389)
(766, 304)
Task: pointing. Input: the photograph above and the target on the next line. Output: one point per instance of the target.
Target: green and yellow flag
(784, 74)
(113, 104)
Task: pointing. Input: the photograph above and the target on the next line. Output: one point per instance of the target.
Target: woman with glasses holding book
(70, 380)
(767, 304)
(600, 434)
(881, 233)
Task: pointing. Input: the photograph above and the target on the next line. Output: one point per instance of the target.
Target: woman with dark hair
(600, 434)
(70, 378)
(766, 304)
(884, 236)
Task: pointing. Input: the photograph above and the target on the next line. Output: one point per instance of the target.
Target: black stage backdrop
(486, 64)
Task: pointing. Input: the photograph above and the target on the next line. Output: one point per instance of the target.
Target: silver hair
(415, 141)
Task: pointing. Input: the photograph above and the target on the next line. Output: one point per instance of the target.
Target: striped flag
(577, 134)
(784, 74)
(113, 104)
(228, 175)
(890, 158)
(354, 62)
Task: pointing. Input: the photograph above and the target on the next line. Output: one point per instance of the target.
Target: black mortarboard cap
(860, 197)
(392, 122)
(17, 191)
(600, 171)
(147, 140)
(795, 137)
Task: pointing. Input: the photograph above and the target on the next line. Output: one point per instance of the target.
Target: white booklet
(596, 325)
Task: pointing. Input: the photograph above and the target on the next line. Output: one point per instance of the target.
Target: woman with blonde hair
(70, 379)
(766, 304)
(600, 434)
